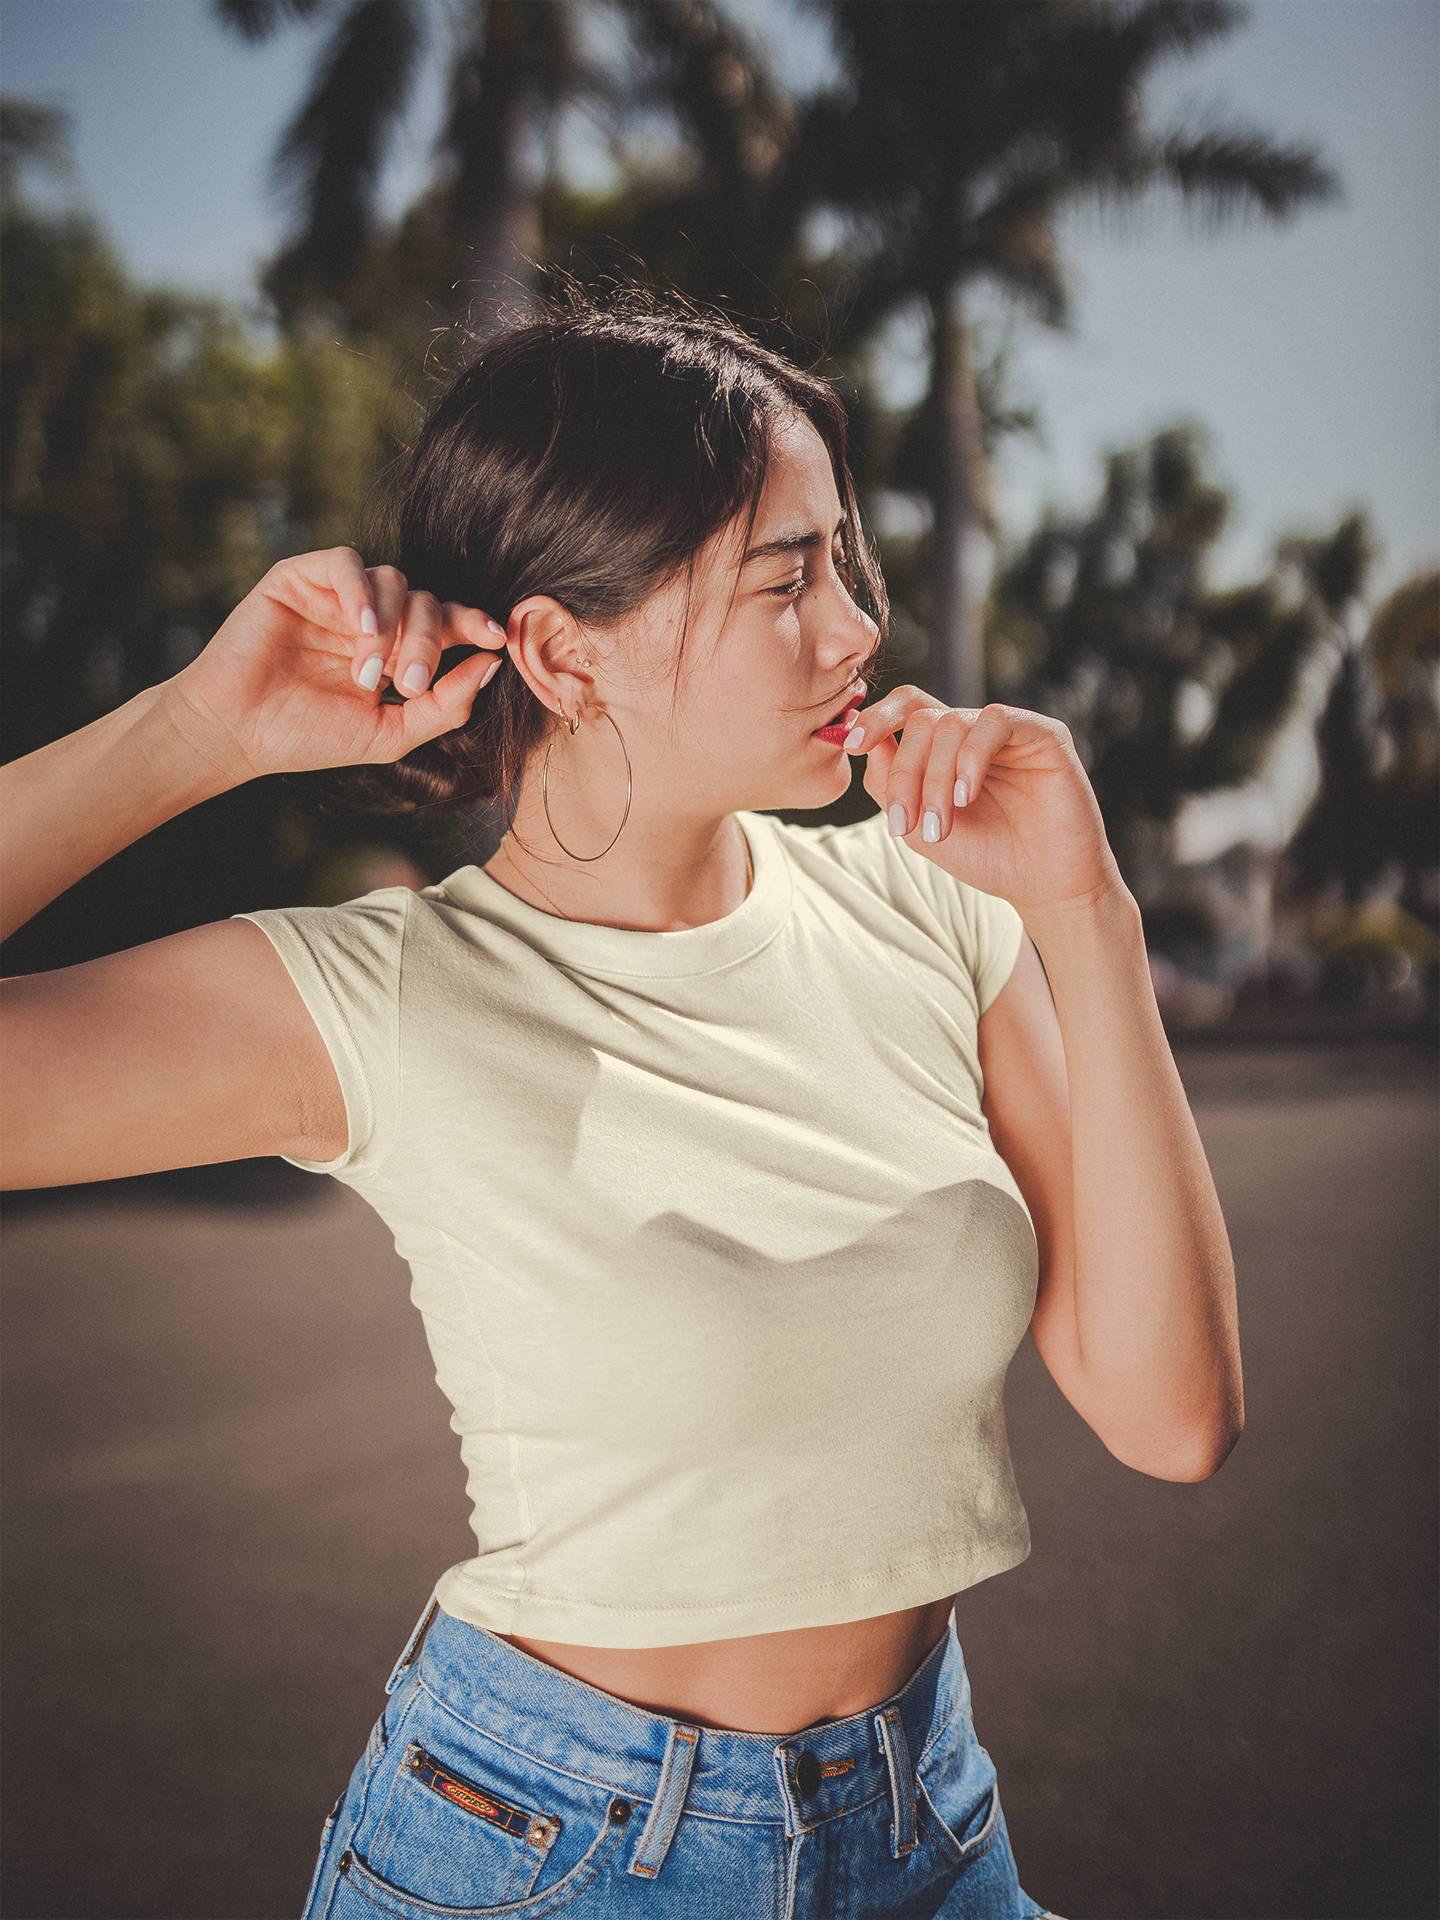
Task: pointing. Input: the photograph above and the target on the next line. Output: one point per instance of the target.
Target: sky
(1307, 354)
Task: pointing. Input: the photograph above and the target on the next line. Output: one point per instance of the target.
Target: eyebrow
(791, 543)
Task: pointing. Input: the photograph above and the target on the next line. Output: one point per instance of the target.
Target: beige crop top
(718, 1265)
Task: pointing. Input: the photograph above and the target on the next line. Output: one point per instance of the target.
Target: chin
(812, 789)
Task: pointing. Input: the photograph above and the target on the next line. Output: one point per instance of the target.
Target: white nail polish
(930, 827)
(854, 740)
(416, 676)
(962, 792)
(369, 674)
(896, 819)
(367, 621)
(490, 672)
(495, 627)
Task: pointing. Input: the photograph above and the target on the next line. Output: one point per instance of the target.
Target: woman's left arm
(1136, 1315)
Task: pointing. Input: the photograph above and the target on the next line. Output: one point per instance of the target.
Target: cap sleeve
(346, 963)
(988, 933)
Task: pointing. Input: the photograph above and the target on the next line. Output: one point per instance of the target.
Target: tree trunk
(959, 495)
(492, 202)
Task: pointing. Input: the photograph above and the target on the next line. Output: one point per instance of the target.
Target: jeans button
(619, 1811)
(807, 1775)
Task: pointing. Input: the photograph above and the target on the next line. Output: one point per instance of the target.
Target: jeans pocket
(962, 1805)
(459, 1836)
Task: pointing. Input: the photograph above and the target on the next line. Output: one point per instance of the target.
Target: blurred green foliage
(1373, 835)
(161, 451)
(1169, 687)
(156, 457)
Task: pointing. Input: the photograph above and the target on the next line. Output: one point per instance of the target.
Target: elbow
(1185, 1453)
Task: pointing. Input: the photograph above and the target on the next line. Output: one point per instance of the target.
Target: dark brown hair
(588, 456)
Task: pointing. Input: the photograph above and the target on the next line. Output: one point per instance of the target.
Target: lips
(834, 731)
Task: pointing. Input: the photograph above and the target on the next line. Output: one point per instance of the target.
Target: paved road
(230, 1481)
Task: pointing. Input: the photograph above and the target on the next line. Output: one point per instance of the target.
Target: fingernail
(490, 672)
(368, 624)
(416, 676)
(369, 674)
(930, 826)
(896, 817)
(495, 627)
(854, 739)
(962, 792)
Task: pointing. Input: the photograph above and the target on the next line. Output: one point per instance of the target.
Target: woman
(731, 1159)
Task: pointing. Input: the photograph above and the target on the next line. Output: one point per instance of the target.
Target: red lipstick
(834, 731)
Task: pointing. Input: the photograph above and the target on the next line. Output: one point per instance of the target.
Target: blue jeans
(494, 1784)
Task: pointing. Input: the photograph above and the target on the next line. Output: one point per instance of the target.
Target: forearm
(68, 807)
(1147, 1329)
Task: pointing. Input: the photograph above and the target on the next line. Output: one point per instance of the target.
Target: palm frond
(1161, 27)
(258, 19)
(1020, 253)
(708, 71)
(330, 157)
(1230, 172)
(32, 133)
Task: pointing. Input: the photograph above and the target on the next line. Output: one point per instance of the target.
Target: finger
(937, 789)
(468, 627)
(890, 716)
(374, 649)
(344, 573)
(993, 726)
(877, 768)
(907, 769)
(418, 653)
(426, 715)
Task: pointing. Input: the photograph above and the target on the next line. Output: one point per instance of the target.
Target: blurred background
(1133, 304)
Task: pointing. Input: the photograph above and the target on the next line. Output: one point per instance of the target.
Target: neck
(667, 872)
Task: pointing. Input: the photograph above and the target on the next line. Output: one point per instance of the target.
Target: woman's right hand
(293, 679)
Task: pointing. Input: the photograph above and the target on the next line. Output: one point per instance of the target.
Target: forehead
(799, 494)
(798, 510)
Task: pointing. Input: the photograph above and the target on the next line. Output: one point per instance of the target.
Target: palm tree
(512, 63)
(963, 134)
(514, 66)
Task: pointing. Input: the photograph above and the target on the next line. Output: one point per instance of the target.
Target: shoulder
(865, 854)
(365, 935)
(863, 862)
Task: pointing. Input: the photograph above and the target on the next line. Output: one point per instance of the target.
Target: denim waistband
(562, 1723)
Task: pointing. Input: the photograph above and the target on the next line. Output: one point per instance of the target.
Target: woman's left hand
(997, 797)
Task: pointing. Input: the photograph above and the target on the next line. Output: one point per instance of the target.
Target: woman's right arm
(199, 1048)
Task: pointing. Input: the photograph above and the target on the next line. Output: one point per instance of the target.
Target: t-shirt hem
(588, 1623)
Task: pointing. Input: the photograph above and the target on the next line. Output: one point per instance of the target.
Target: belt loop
(654, 1842)
(891, 1730)
(412, 1646)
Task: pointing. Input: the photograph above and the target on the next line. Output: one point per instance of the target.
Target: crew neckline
(627, 950)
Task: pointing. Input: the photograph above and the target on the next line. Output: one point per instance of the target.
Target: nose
(848, 633)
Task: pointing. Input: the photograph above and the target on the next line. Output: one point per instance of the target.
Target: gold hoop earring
(586, 858)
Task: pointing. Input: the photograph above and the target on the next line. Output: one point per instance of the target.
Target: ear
(548, 646)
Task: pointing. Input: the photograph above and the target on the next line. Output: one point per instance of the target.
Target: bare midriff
(775, 1683)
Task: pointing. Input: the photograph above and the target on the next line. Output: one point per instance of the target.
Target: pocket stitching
(563, 1891)
(966, 1851)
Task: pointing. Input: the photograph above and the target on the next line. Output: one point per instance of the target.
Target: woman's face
(772, 652)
